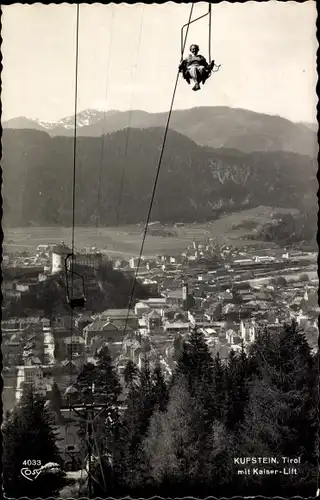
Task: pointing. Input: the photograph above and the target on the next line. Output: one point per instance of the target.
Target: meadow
(231, 229)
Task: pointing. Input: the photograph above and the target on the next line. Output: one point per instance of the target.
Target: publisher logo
(29, 474)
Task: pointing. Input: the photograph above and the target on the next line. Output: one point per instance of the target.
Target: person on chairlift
(195, 67)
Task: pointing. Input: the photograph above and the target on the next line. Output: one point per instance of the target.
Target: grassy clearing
(126, 241)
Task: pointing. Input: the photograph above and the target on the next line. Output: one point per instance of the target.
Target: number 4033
(32, 462)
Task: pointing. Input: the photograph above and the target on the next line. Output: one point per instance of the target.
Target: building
(119, 317)
(74, 346)
(82, 321)
(151, 286)
(264, 258)
(155, 303)
(232, 336)
(36, 322)
(141, 309)
(58, 256)
(175, 297)
(153, 321)
(8, 396)
(302, 320)
(248, 332)
(32, 375)
(12, 349)
(48, 346)
(133, 262)
(176, 327)
(105, 330)
(89, 260)
(120, 264)
(9, 325)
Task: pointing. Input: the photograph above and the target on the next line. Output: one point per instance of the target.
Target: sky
(129, 54)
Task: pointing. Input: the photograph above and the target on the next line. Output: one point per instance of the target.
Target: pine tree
(220, 389)
(159, 389)
(298, 378)
(85, 383)
(263, 416)
(184, 453)
(147, 395)
(170, 443)
(131, 427)
(237, 386)
(107, 384)
(264, 354)
(130, 373)
(260, 435)
(177, 347)
(99, 384)
(29, 434)
(196, 365)
(218, 472)
(281, 415)
(197, 368)
(56, 401)
(157, 402)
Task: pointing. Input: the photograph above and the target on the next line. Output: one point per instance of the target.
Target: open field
(125, 241)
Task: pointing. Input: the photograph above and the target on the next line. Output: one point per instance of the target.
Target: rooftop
(178, 324)
(160, 300)
(74, 340)
(153, 314)
(174, 294)
(61, 249)
(116, 313)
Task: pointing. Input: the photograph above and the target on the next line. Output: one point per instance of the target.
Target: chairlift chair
(74, 301)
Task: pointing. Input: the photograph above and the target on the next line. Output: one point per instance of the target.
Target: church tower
(185, 293)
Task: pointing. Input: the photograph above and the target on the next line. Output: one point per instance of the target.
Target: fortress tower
(59, 253)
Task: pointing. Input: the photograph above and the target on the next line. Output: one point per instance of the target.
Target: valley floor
(125, 241)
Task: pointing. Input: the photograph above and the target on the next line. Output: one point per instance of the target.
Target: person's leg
(187, 77)
(195, 76)
(203, 74)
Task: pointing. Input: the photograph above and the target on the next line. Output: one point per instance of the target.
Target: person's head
(194, 49)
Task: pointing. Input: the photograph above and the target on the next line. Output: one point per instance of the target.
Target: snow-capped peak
(84, 118)
(47, 125)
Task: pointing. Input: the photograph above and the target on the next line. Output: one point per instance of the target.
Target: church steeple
(185, 293)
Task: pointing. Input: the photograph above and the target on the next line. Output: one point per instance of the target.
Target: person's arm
(182, 65)
(204, 62)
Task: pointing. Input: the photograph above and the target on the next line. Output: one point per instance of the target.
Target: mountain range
(196, 183)
(217, 127)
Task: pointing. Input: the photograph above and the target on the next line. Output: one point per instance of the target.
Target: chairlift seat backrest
(77, 302)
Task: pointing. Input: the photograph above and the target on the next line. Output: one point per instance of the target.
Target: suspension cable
(74, 177)
(103, 125)
(209, 33)
(183, 43)
(128, 130)
(75, 130)
(154, 187)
